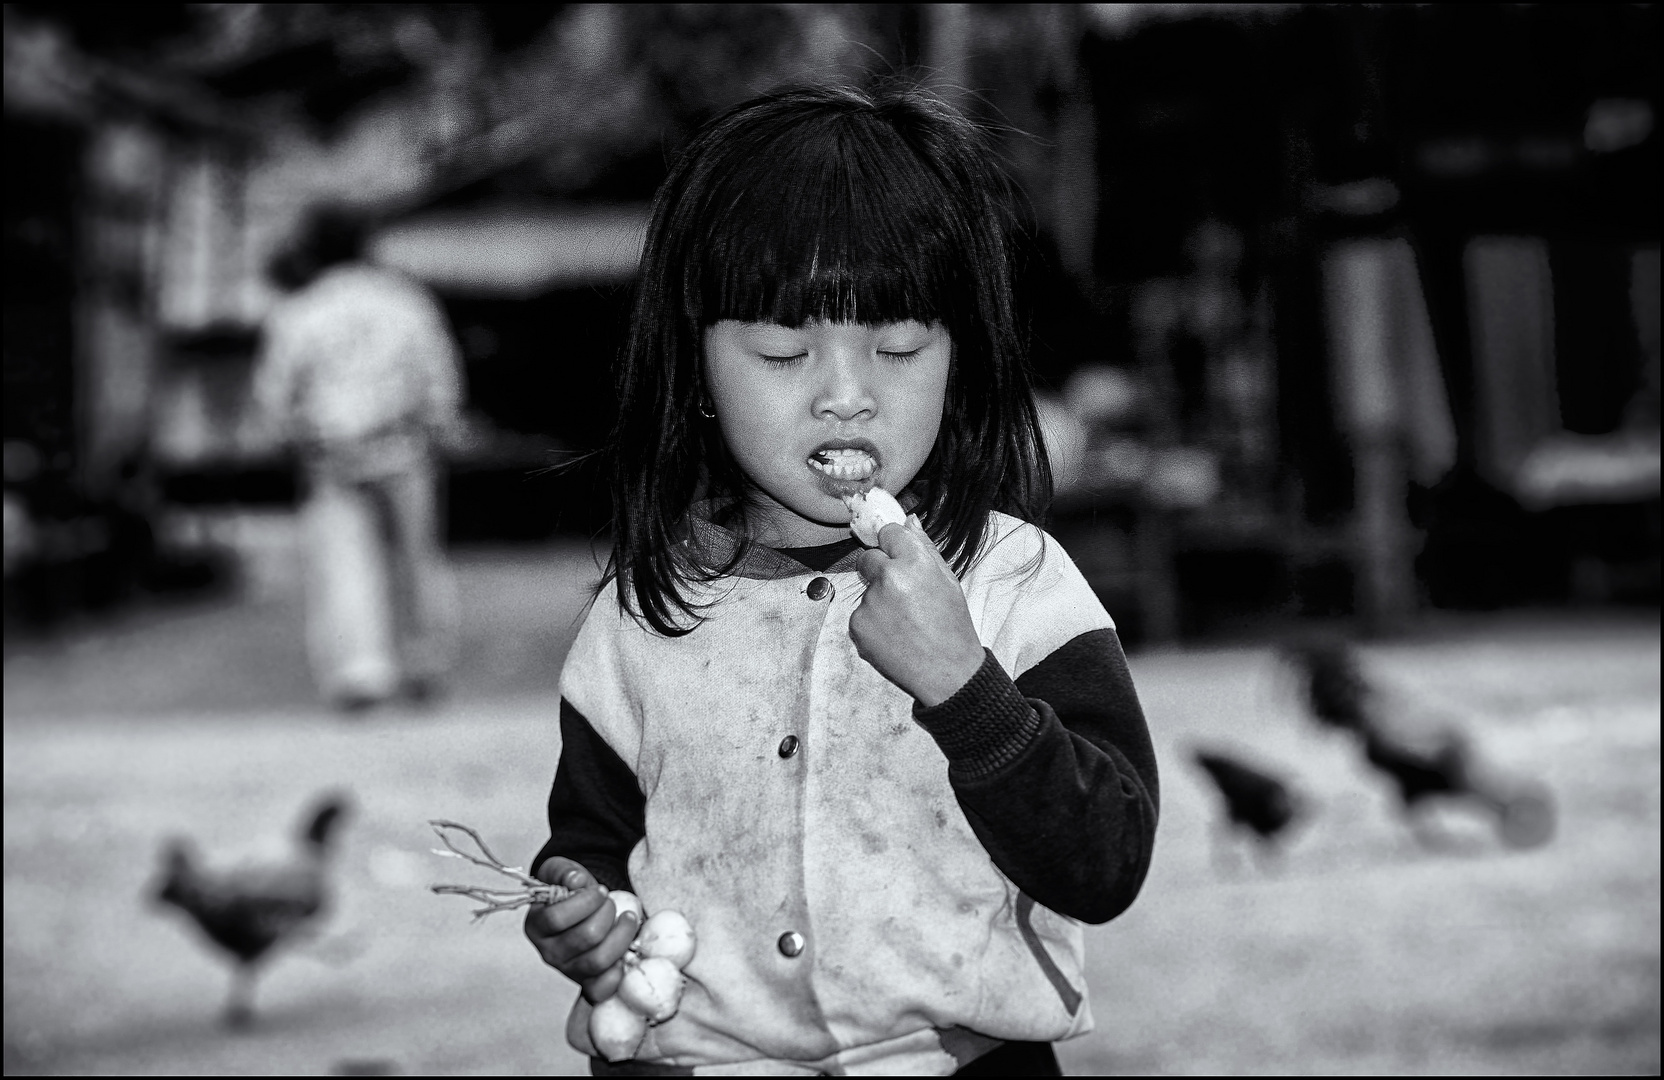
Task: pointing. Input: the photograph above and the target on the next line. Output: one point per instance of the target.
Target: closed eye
(782, 360)
(901, 355)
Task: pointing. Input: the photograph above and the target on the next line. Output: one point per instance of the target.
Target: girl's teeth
(844, 464)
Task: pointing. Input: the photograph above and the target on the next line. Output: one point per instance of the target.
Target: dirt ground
(1360, 951)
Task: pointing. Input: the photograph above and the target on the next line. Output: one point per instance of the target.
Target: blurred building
(505, 154)
(1386, 280)
(1340, 311)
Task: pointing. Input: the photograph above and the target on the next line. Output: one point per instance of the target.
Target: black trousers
(1015, 1059)
(1009, 1059)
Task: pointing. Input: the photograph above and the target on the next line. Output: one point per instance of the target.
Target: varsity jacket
(876, 887)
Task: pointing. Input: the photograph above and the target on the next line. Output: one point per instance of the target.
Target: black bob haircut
(821, 203)
(328, 235)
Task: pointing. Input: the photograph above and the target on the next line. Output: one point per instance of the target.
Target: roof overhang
(513, 252)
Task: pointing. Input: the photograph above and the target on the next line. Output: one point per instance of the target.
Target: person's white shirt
(360, 353)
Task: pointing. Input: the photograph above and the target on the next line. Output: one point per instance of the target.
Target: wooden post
(1370, 329)
(116, 347)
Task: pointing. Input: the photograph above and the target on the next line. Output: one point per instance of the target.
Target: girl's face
(822, 411)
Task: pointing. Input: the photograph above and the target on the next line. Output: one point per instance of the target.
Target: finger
(858, 634)
(610, 952)
(897, 540)
(569, 949)
(607, 951)
(553, 869)
(604, 985)
(552, 931)
(870, 564)
(562, 915)
(569, 875)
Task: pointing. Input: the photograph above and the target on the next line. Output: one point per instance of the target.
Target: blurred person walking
(360, 372)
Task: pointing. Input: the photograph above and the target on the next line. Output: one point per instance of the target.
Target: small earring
(705, 410)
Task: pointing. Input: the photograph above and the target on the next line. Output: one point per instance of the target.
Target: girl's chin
(826, 513)
(833, 488)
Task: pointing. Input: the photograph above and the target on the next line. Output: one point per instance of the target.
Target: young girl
(886, 786)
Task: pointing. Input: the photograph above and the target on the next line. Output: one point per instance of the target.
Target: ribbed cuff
(984, 726)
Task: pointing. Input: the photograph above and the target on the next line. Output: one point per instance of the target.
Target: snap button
(788, 746)
(791, 943)
(820, 589)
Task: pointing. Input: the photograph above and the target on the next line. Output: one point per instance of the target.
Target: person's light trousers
(381, 608)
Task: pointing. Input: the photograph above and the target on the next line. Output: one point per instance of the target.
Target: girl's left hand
(912, 624)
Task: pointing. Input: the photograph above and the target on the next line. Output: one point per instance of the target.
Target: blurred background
(1346, 322)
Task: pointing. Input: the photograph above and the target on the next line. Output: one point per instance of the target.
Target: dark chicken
(1335, 688)
(1425, 765)
(248, 912)
(1444, 768)
(1254, 800)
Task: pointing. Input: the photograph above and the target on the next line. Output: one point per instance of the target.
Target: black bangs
(836, 219)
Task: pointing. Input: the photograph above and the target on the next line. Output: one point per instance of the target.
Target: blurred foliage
(552, 100)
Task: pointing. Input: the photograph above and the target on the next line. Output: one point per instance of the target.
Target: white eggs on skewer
(652, 987)
(668, 935)
(616, 1029)
(651, 991)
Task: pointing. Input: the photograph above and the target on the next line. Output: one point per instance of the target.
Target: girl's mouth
(846, 463)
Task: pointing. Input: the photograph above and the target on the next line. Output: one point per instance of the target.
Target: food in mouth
(844, 463)
(870, 511)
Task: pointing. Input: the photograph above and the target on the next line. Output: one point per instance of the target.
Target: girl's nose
(845, 391)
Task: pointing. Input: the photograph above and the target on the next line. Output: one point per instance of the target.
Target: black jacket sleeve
(597, 813)
(1056, 774)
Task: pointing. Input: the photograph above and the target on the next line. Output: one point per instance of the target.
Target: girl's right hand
(582, 936)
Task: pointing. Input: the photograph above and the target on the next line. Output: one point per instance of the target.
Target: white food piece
(626, 901)
(616, 1029)
(652, 988)
(870, 511)
(667, 935)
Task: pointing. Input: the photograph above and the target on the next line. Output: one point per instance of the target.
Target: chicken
(1256, 801)
(1433, 763)
(250, 911)
(1335, 688)
(1439, 763)
(1444, 766)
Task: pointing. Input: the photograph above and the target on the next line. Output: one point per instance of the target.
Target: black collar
(717, 545)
